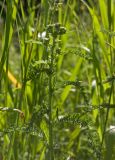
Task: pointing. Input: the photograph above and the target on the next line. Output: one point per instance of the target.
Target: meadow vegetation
(57, 80)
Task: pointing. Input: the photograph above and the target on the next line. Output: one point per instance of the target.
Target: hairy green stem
(51, 154)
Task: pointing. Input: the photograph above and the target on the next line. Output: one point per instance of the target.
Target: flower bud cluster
(56, 29)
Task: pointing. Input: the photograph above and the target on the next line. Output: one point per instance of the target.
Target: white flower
(60, 117)
(42, 35)
(94, 83)
(112, 129)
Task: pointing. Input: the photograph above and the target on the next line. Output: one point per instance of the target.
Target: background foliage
(57, 72)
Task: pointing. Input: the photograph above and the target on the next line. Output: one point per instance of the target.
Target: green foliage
(64, 107)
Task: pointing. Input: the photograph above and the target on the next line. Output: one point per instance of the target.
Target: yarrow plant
(49, 38)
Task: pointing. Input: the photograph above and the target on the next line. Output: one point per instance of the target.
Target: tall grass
(60, 103)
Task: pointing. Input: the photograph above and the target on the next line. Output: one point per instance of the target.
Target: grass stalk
(111, 60)
(47, 61)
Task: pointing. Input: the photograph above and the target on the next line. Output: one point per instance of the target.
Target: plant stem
(50, 121)
(112, 85)
(51, 154)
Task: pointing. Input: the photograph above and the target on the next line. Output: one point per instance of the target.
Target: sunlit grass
(61, 103)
